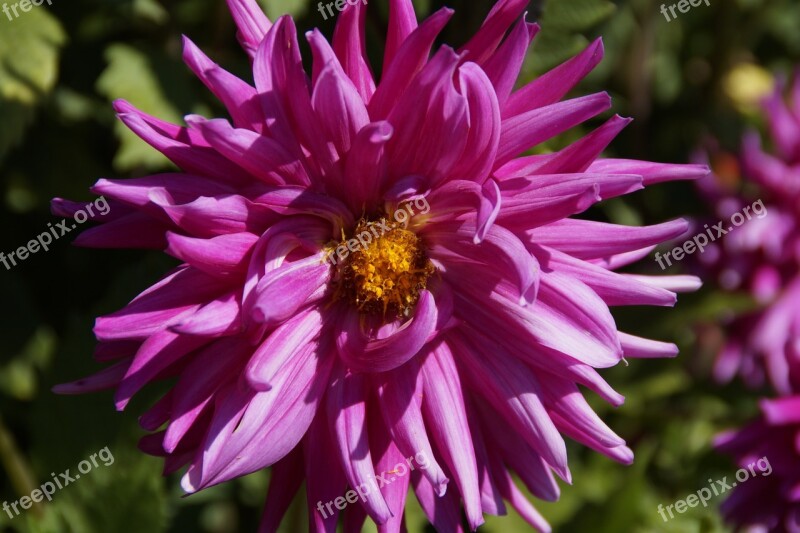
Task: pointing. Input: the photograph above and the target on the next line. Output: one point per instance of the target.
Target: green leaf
(277, 8)
(130, 76)
(29, 54)
(562, 23)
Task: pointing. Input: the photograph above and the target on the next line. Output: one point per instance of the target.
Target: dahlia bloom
(311, 328)
(768, 504)
(762, 256)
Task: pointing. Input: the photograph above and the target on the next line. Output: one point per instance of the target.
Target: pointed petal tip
(598, 46)
(187, 484)
(619, 118)
(64, 389)
(625, 455)
(122, 106)
(255, 381)
(441, 489)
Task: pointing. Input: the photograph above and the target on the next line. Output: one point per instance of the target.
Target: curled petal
(363, 354)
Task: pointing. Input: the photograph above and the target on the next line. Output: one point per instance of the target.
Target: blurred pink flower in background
(763, 345)
(762, 256)
(767, 503)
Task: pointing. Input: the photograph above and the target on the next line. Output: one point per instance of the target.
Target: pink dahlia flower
(762, 256)
(314, 328)
(769, 502)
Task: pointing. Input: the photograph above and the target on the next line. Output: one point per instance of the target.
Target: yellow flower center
(384, 271)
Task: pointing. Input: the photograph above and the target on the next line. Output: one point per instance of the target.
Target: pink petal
(483, 44)
(504, 66)
(526, 130)
(285, 342)
(347, 417)
(238, 96)
(225, 256)
(365, 354)
(402, 22)
(349, 43)
(552, 86)
(400, 397)
(251, 21)
(446, 415)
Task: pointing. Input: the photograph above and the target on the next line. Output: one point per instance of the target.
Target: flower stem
(19, 472)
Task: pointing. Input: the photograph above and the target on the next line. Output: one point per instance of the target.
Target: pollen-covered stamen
(386, 272)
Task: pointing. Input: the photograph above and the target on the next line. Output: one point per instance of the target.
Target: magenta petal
(284, 290)
(521, 504)
(455, 248)
(443, 511)
(542, 199)
(263, 157)
(477, 160)
(160, 306)
(651, 172)
(516, 395)
(287, 341)
(209, 217)
(289, 201)
(577, 157)
(137, 230)
(400, 395)
(367, 160)
(204, 376)
(156, 354)
(183, 150)
(409, 60)
(402, 22)
(526, 130)
(491, 499)
(504, 66)
(613, 288)
(782, 411)
(326, 480)
(219, 317)
(224, 256)
(338, 107)
(364, 354)
(446, 415)
(286, 477)
(270, 426)
(563, 398)
(494, 28)
(349, 43)
(513, 451)
(430, 138)
(397, 467)
(181, 188)
(105, 379)
(251, 21)
(601, 240)
(238, 96)
(347, 418)
(639, 348)
(552, 86)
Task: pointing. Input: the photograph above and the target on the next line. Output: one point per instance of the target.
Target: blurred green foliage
(61, 66)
